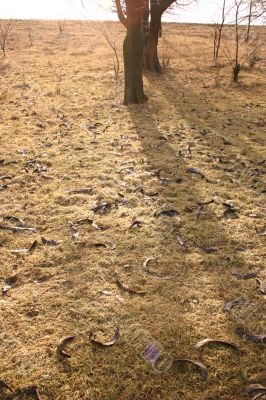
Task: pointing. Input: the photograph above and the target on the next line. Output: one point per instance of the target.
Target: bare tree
(30, 34)
(133, 51)
(236, 60)
(218, 29)
(112, 44)
(5, 29)
(61, 26)
(256, 10)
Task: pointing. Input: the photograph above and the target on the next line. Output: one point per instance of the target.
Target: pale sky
(206, 11)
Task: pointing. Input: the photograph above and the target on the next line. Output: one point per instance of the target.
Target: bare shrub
(112, 44)
(30, 34)
(61, 26)
(5, 29)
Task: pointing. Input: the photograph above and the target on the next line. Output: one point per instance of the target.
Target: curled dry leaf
(136, 224)
(50, 242)
(129, 290)
(88, 221)
(152, 273)
(106, 344)
(139, 189)
(209, 250)
(230, 210)
(147, 261)
(74, 233)
(195, 171)
(109, 246)
(247, 275)
(31, 391)
(231, 304)
(211, 342)
(262, 286)
(168, 213)
(255, 389)
(17, 228)
(250, 337)
(61, 346)
(201, 367)
(83, 221)
(81, 191)
(9, 283)
(24, 251)
(4, 385)
(103, 208)
(14, 220)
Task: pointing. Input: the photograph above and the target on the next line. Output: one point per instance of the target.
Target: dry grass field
(197, 148)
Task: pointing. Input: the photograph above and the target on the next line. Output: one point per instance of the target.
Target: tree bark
(150, 54)
(133, 55)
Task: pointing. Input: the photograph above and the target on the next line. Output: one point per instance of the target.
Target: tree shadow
(202, 249)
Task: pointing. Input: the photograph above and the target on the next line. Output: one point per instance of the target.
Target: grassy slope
(51, 95)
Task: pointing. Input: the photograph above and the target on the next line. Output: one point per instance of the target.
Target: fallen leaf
(262, 286)
(231, 304)
(17, 228)
(129, 290)
(147, 261)
(62, 344)
(15, 220)
(4, 385)
(110, 246)
(106, 344)
(50, 242)
(81, 191)
(201, 367)
(153, 273)
(250, 337)
(9, 283)
(247, 275)
(255, 389)
(196, 171)
(209, 250)
(230, 210)
(207, 342)
(103, 208)
(168, 213)
(30, 391)
(74, 233)
(83, 221)
(135, 224)
(24, 251)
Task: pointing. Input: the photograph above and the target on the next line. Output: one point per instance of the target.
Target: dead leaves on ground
(214, 342)
(30, 391)
(109, 343)
(262, 286)
(4, 385)
(250, 337)
(9, 283)
(125, 288)
(25, 251)
(61, 346)
(145, 267)
(199, 365)
(257, 390)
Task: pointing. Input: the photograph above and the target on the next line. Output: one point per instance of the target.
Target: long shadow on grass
(203, 270)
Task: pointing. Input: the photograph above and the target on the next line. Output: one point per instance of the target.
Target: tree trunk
(236, 71)
(133, 57)
(150, 54)
(249, 22)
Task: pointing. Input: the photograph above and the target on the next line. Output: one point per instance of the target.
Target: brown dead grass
(51, 95)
